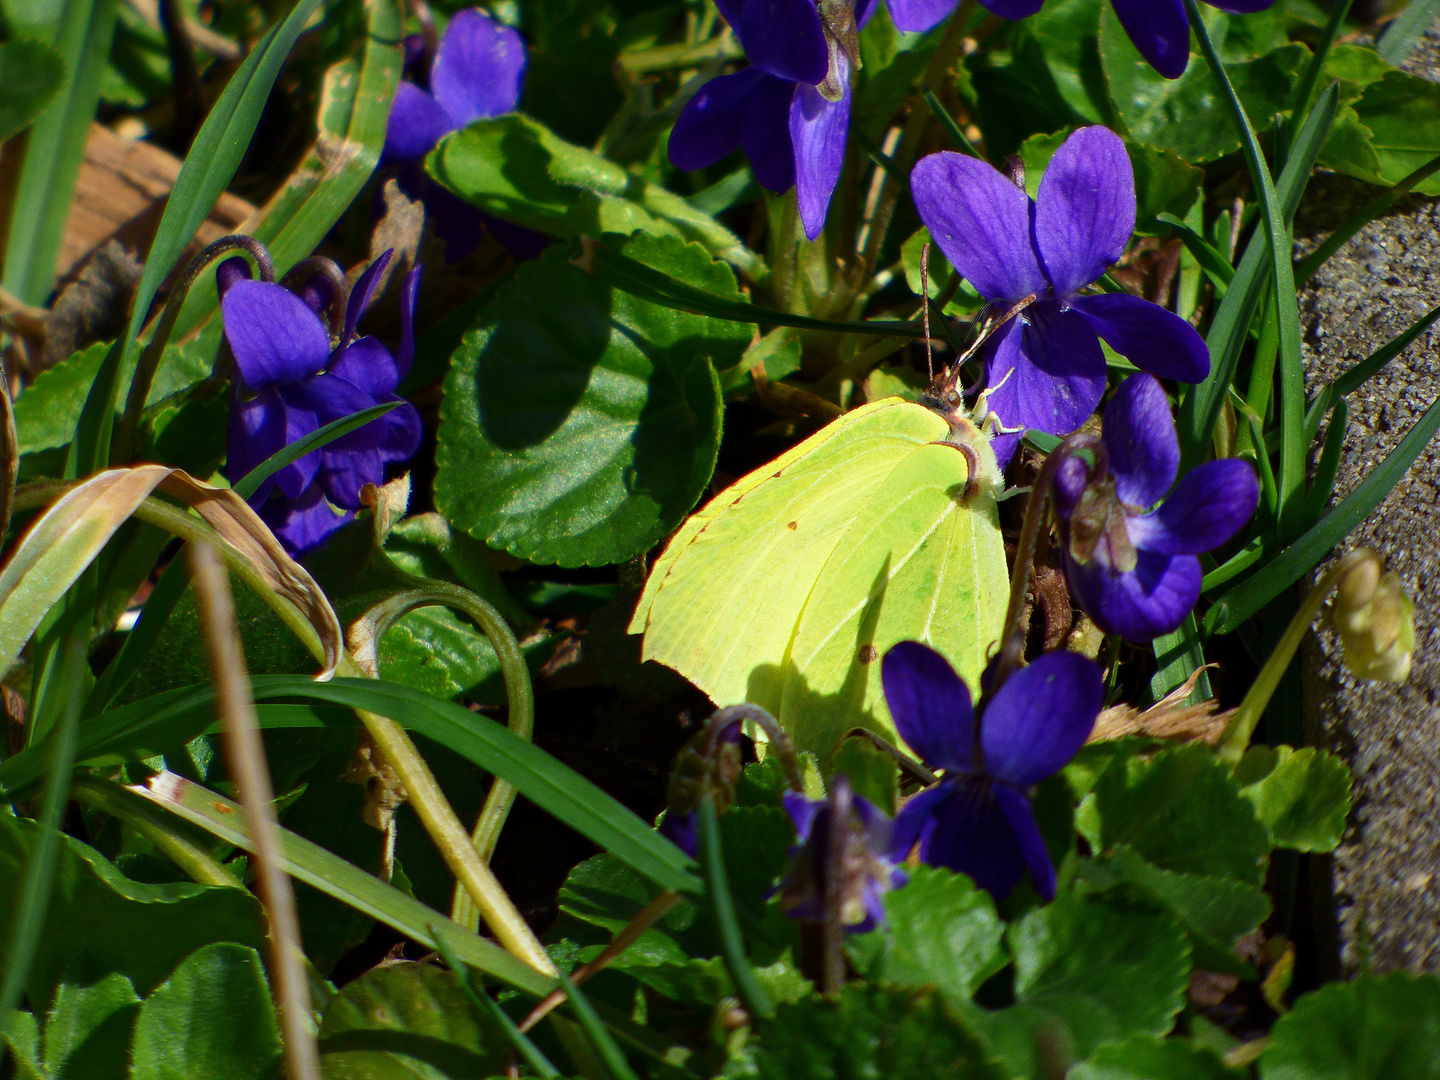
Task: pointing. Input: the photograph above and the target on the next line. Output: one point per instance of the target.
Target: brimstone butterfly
(788, 586)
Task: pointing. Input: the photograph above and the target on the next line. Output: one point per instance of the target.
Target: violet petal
(973, 836)
(1048, 369)
(1021, 816)
(1142, 605)
(255, 433)
(305, 523)
(1210, 505)
(1040, 717)
(1160, 30)
(297, 420)
(765, 133)
(1085, 208)
(916, 820)
(417, 122)
(345, 476)
(359, 298)
(782, 37)
(981, 221)
(1139, 435)
(275, 338)
(930, 706)
(1013, 9)
(818, 129)
(478, 68)
(709, 125)
(917, 16)
(1150, 337)
(368, 364)
(803, 813)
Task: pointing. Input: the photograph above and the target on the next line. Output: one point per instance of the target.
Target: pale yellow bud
(1375, 620)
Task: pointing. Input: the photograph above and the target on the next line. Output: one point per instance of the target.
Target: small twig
(245, 756)
(652, 913)
(189, 101)
(834, 858)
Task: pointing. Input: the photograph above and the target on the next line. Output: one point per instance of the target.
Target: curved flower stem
(328, 271)
(1037, 518)
(119, 802)
(366, 635)
(150, 359)
(1236, 739)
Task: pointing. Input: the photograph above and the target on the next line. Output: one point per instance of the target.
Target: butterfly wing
(722, 603)
(920, 562)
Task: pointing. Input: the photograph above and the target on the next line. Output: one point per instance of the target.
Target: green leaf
(56, 146)
(31, 74)
(85, 1026)
(592, 436)
(1370, 1029)
(100, 922)
(1302, 796)
(872, 772)
(1145, 1058)
(1182, 810)
(867, 1032)
(941, 931)
(1165, 183)
(1086, 973)
(1187, 115)
(1067, 32)
(212, 1017)
(517, 169)
(1399, 116)
(1215, 911)
(410, 1020)
(47, 412)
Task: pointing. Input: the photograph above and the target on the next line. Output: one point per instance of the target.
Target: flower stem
(1035, 528)
(150, 359)
(1236, 739)
(732, 945)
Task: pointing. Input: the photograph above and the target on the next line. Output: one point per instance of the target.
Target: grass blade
(1291, 479)
(354, 110)
(1245, 599)
(954, 130)
(534, 1057)
(1220, 272)
(1231, 324)
(56, 148)
(29, 923)
(171, 586)
(31, 74)
(600, 1041)
(1178, 656)
(1399, 41)
(732, 944)
(1328, 467)
(211, 164)
(1307, 266)
(1300, 103)
(179, 715)
(342, 880)
(640, 280)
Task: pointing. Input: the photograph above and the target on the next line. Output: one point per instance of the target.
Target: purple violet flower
(476, 73)
(1133, 569)
(1044, 367)
(1159, 28)
(868, 869)
(978, 820)
(790, 110)
(288, 383)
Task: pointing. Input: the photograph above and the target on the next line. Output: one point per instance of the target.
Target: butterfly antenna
(925, 309)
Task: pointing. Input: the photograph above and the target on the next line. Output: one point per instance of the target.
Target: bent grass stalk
(245, 756)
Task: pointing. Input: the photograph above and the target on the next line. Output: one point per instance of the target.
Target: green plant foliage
(1302, 796)
(412, 1020)
(941, 932)
(31, 74)
(1187, 115)
(100, 922)
(1181, 810)
(81, 1034)
(1364, 1030)
(1142, 1058)
(1086, 973)
(866, 1032)
(211, 1017)
(621, 399)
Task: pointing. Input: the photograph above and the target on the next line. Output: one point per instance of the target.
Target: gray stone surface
(1386, 876)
